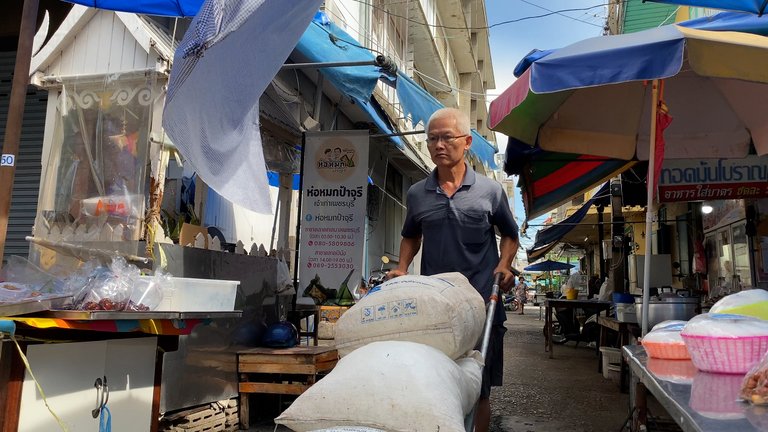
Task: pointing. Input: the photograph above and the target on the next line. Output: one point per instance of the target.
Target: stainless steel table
(696, 401)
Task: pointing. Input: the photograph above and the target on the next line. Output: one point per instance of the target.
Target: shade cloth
(549, 179)
(547, 238)
(549, 265)
(420, 105)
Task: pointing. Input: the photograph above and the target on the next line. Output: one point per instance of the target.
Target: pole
(600, 238)
(649, 209)
(16, 114)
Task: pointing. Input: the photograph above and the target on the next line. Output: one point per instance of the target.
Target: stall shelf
(697, 402)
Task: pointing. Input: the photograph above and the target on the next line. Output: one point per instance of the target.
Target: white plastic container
(199, 295)
(625, 312)
(610, 356)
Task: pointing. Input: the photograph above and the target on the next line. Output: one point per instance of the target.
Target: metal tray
(34, 305)
(123, 315)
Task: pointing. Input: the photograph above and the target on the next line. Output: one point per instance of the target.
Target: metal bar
(469, 420)
(298, 223)
(318, 97)
(318, 65)
(415, 132)
(16, 102)
(649, 208)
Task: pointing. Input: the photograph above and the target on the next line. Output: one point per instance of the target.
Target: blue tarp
(754, 6)
(324, 42)
(172, 8)
(419, 104)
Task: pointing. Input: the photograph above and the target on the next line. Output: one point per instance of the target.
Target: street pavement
(564, 394)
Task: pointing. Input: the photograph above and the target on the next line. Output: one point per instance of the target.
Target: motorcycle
(376, 278)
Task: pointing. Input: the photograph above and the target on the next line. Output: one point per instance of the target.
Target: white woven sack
(443, 311)
(392, 386)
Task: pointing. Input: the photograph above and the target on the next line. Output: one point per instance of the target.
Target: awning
(419, 105)
(325, 42)
(549, 237)
(731, 21)
(549, 179)
(173, 8)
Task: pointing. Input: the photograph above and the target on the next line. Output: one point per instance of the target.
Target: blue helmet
(281, 334)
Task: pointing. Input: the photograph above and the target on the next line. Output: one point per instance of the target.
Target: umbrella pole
(649, 209)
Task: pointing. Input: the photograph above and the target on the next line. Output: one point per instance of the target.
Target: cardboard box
(331, 313)
(189, 232)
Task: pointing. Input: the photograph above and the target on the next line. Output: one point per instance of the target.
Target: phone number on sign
(333, 265)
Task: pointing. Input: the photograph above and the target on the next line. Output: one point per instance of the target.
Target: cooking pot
(668, 307)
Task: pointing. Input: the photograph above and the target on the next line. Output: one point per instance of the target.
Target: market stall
(55, 360)
(709, 373)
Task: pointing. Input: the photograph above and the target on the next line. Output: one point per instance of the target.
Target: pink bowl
(725, 355)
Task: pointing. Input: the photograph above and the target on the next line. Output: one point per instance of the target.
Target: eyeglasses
(448, 139)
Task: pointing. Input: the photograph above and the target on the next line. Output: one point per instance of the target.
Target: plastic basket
(669, 351)
(725, 355)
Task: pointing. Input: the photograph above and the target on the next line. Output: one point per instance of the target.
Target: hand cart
(469, 420)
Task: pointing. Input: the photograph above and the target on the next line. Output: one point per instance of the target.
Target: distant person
(521, 294)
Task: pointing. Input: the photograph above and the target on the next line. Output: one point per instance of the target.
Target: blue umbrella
(173, 8)
(754, 6)
(549, 265)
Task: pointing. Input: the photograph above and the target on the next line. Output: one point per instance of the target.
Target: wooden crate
(282, 371)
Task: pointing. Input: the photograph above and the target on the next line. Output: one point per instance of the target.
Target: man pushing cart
(454, 216)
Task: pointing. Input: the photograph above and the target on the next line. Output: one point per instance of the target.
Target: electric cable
(488, 27)
(37, 384)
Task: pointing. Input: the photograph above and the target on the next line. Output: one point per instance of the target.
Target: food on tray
(725, 343)
(753, 302)
(755, 386)
(665, 342)
(10, 286)
(108, 305)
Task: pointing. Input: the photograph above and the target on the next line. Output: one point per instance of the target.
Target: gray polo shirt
(458, 232)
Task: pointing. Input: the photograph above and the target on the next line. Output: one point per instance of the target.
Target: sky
(511, 42)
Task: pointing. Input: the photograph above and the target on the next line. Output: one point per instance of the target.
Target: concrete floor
(564, 394)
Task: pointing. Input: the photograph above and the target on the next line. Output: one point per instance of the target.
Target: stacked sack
(407, 360)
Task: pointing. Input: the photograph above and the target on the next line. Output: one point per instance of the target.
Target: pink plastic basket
(725, 355)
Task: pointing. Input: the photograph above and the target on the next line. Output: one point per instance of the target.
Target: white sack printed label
(389, 310)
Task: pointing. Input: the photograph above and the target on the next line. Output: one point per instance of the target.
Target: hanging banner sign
(713, 179)
(335, 174)
(8, 160)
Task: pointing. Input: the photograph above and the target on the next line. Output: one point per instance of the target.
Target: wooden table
(593, 305)
(284, 371)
